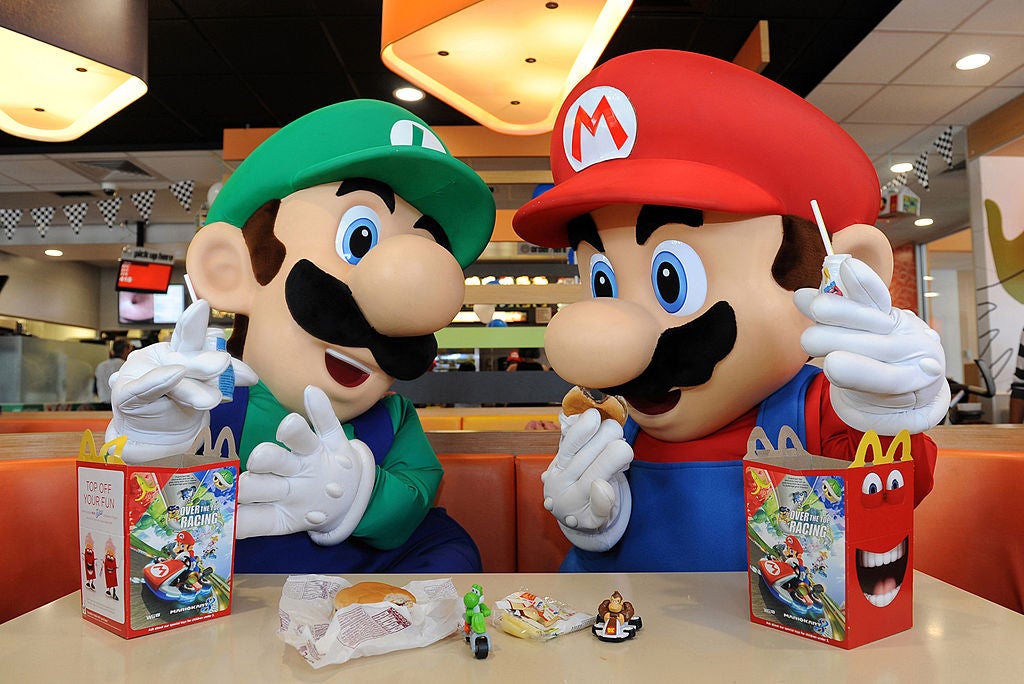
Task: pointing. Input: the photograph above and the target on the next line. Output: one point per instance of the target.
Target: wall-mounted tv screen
(143, 276)
(151, 308)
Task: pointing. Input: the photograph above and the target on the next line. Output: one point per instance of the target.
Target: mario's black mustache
(325, 308)
(685, 356)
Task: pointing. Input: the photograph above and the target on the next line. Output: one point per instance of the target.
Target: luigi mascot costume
(339, 244)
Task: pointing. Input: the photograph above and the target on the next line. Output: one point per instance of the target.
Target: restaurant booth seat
(434, 423)
(968, 531)
(39, 532)
(54, 421)
(540, 544)
(505, 423)
(479, 492)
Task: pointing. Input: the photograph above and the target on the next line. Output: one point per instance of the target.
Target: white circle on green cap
(406, 132)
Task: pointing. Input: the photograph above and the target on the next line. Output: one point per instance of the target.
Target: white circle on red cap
(600, 125)
(406, 132)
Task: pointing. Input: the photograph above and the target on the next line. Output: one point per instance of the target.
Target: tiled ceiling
(880, 68)
(897, 91)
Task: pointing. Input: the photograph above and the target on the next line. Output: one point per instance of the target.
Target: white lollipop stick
(821, 227)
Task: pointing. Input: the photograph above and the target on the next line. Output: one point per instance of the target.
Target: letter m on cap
(602, 104)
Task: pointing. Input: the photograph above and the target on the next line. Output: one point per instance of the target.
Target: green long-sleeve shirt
(406, 481)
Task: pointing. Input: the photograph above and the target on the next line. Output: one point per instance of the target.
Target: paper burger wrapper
(325, 636)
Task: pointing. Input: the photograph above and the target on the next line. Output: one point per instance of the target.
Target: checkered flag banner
(899, 181)
(42, 216)
(944, 144)
(9, 219)
(75, 214)
(182, 191)
(921, 169)
(143, 202)
(109, 209)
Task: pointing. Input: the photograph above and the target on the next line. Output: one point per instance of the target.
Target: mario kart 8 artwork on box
(181, 530)
(796, 529)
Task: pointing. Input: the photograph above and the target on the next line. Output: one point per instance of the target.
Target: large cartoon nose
(408, 285)
(601, 342)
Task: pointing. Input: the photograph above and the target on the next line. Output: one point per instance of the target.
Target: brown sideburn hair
(266, 254)
(798, 262)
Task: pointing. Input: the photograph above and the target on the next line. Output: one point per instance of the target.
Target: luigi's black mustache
(685, 356)
(324, 307)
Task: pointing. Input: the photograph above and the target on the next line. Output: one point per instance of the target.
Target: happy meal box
(830, 542)
(157, 539)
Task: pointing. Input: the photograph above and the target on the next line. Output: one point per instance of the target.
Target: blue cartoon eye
(602, 277)
(894, 481)
(358, 233)
(678, 277)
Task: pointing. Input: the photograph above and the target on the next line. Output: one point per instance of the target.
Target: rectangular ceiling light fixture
(68, 67)
(508, 64)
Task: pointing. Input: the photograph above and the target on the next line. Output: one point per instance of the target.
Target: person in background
(1017, 386)
(119, 351)
(524, 360)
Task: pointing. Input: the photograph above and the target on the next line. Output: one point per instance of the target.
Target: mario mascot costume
(684, 183)
(339, 244)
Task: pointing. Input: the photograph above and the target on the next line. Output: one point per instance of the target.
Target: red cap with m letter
(684, 129)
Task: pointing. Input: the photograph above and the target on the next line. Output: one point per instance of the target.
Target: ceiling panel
(1014, 80)
(912, 104)
(879, 138)
(992, 18)
(981, 104)
(182, 165)
(840, 99)
(936, 66)
(925, 15)
(37, 170)
(882, 55)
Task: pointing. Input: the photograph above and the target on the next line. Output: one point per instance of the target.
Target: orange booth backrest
(39, 529)
(541, 546)
(479, 492)
(968, 531)
(41, 422)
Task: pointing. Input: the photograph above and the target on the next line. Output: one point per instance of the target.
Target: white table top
(695, 626)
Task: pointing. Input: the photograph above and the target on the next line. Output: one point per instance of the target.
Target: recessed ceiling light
(931, 294)
(978, 59)
(927, 277)
(901, 167)
(409, 94)
(922, 222)
(53, 252)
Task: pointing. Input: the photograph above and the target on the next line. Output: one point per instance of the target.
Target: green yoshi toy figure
(475, 626)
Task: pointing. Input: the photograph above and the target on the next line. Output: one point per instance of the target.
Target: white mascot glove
(320, 484)
(162, 395)
(886, 366)
(584, 487)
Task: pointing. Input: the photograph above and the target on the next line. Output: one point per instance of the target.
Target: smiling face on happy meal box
(881, 541)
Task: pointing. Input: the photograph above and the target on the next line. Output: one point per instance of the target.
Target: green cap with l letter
(365, 139)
